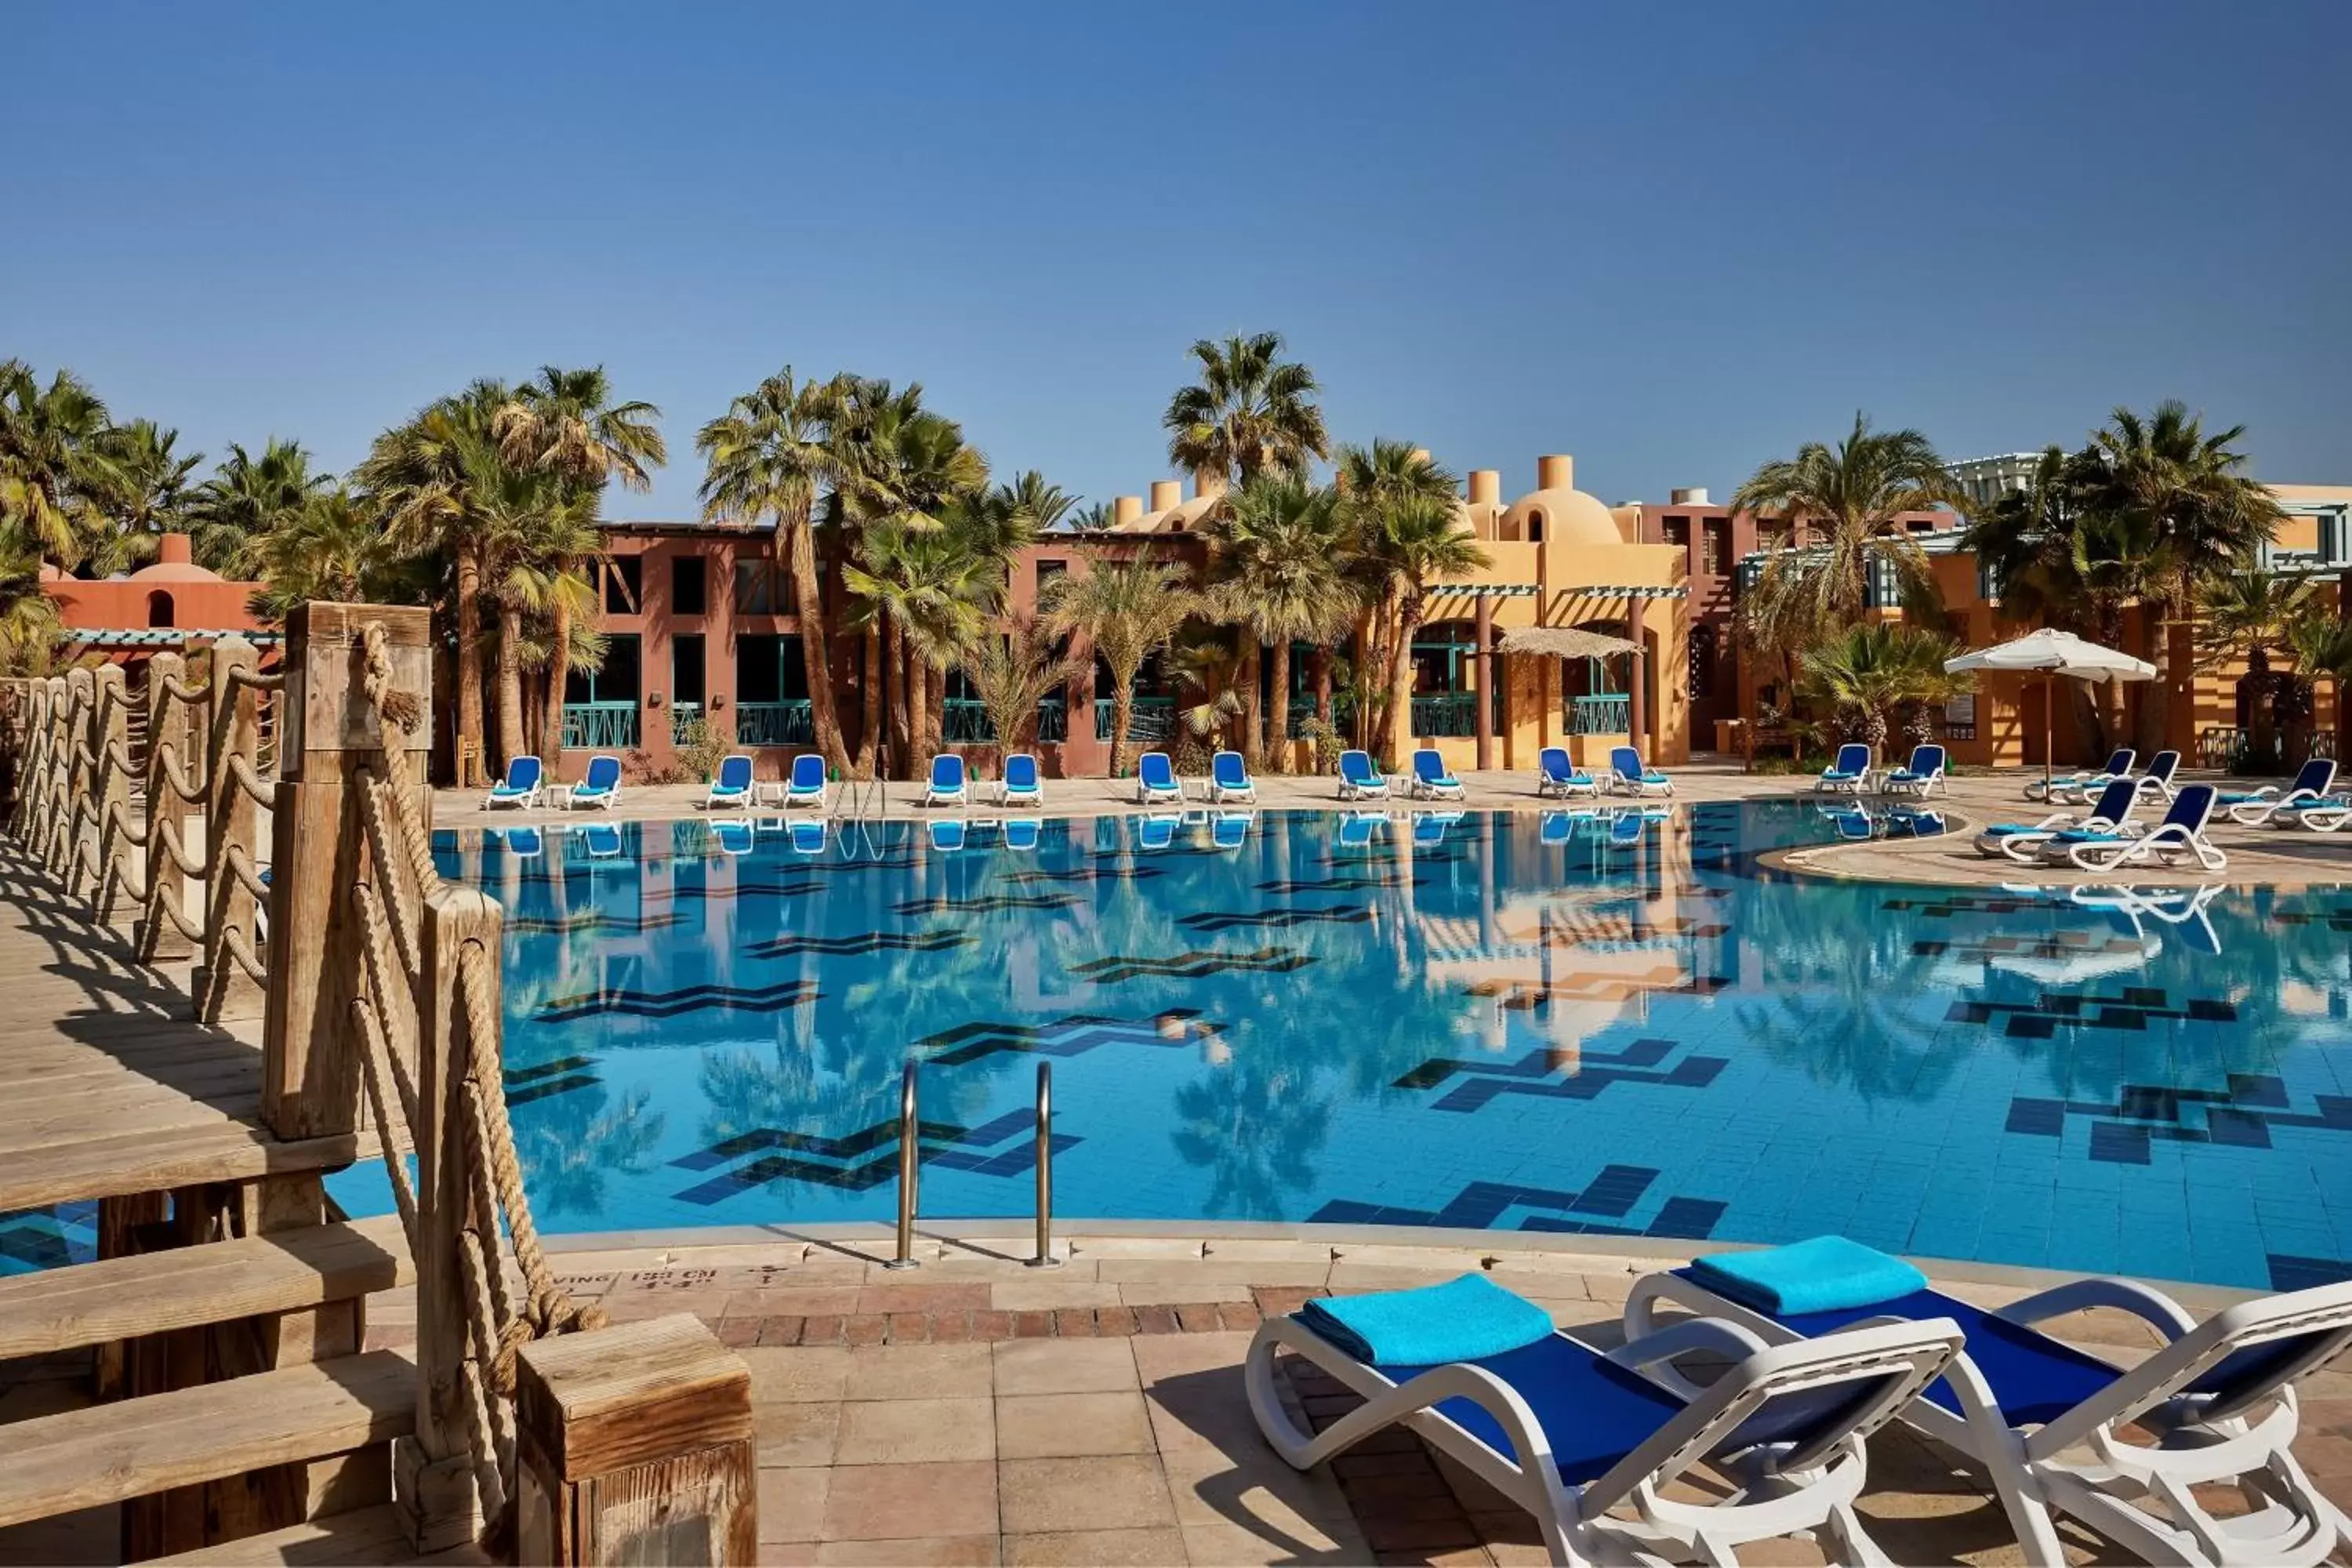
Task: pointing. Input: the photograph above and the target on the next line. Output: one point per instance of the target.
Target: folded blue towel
(1462, 1320)
(1823, 1275)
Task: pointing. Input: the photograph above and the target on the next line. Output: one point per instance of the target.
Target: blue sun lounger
(2079, 786)
(807, 784)
(1229, 779)
(1923, 772)
(1633, 778)
(2262, 808)
(1432, 780)
(947, 786)
(601, 786)
(733, 786)
(2215, 1406)
(2023, 841)
(1556, 775)
(1155, 779)
(520, 786)
(1358, 779)
(2182, 832)
(1570, 1433)
(1019, 784)
(1848, 773)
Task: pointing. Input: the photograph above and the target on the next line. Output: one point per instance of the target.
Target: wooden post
(168, 724)
(326, 734)
(113, 697)
(81, 718)
(1637, 704)
(434, 1469)
(1484, 666)
(635, 1446)
(232, 822)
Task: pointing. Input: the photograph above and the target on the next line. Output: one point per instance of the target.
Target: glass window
(1676, 531)
(686, 677)
(625, 585)
(759, 589)
(1441, 658)
(770, 669)
(689, 585)
(1715, 538)
(615, 682)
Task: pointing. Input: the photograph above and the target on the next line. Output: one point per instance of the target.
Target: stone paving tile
(1071, 1425)
(918, 1372)
(791, 1504)
(943, 1550)
(797, 1432)
(1049, 1293)
(904, 1502)
(916, 1431)
(1106, 1548)
(800, 1373)
(1089, 1367)
(1120, 1491)
(1225, 1544)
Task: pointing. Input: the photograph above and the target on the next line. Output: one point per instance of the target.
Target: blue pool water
(1518, 1021)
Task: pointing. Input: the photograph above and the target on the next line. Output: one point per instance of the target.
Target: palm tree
(1251, 411)
(1854, 495)
(28, 617)
(418, 478)
(2244, 615)
(566, 420)
(1869, 671)
(1282, 563)
(2165, 470)
(1415, 541)
(334, 549)
(775, 448)
(246, 498)
(55, 473)
(932, 586)
(1127, 610)
(1374, 478)
(1014, 671)
(151, 495)
(1030, 496)
(1096, 516)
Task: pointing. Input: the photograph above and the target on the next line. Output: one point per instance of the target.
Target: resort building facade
(700, 625)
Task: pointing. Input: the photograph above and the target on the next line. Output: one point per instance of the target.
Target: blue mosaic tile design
(1521, 1021)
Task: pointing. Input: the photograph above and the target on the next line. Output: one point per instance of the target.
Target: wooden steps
(122, 1298)
(112, 1453)
(367, 1535)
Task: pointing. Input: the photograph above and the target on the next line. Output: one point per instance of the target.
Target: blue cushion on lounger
(1820, 1275)
(1460, 1321)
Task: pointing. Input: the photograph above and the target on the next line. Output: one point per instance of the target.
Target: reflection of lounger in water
(604, 840)
(734, 838)
(1023, 832)
(1355, 830)
(808, 836)
(1156, 831)
(1230, 829)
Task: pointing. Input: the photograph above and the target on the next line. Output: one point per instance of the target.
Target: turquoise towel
(1824, 1275)
(1462, 1320)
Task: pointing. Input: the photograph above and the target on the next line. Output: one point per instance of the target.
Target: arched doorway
(160, 609)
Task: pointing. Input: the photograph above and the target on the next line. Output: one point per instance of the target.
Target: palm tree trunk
(935, 709)
(917, 684)
(1401, 681)
(902, 748)
(559, 673)
(1322, 666)
(1278, 722)
(869, 728)
(510, 744)
(808, 601)
(1253, 735)
(1122, 713)
(470, 663)
(2262, 711)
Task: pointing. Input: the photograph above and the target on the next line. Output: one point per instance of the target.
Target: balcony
(600, 726)
(682, 718)
(775, 724)
(1152, 723)
(1610, 713)
(1451, 715)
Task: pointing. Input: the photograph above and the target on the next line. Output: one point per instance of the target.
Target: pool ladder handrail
(911, 1132)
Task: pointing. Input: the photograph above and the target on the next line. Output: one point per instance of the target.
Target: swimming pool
(1570, 1022)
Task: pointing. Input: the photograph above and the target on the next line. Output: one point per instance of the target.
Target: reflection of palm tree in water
(569, 1143)
(1255, 1128)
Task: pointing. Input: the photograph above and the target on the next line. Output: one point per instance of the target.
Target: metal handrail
(1045, 1258)
(910, 1129)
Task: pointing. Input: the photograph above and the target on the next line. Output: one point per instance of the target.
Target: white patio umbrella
(2054, 653)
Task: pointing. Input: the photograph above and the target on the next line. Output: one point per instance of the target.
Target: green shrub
(705, 748)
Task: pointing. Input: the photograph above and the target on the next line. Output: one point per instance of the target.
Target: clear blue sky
(1673, 239)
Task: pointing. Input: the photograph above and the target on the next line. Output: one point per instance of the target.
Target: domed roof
(173, 572)
(1569, 517)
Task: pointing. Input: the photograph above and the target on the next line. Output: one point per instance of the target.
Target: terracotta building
(170, 603)
(700, 626)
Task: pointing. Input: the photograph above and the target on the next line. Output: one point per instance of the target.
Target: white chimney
(1694, 497)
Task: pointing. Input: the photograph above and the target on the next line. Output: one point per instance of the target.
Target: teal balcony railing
(600, 726)
(1452, 714)
(1302, 708)
(1052, 722)
(1611, 713)
(964, 720)
(1152, 722)
(682, 716)
(774, 724)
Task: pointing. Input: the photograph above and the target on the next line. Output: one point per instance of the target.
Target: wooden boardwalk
(107, 1087)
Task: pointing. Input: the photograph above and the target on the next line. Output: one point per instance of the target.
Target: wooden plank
(144, 1163)
(630, 1395)
(70, 1126)
(365, 1535)
(111, 1453)
(118, 1298)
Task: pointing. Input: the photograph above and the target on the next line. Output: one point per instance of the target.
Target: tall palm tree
(2244, 615)
(1853, 495)
(1127, 610)
(1374, 478)
(54, 474)
(1031, 495)
(567, 420)
(418, 477)
(2193, 487)
(28, 617)
(1251, 411)
(247, 496)
(768, 456)
(1281, 564)
(933, 586)
(1014, 671)
(1415, 541)
(152, 496)
(334, 549)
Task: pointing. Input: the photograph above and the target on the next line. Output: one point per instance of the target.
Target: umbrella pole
(2049, 700)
